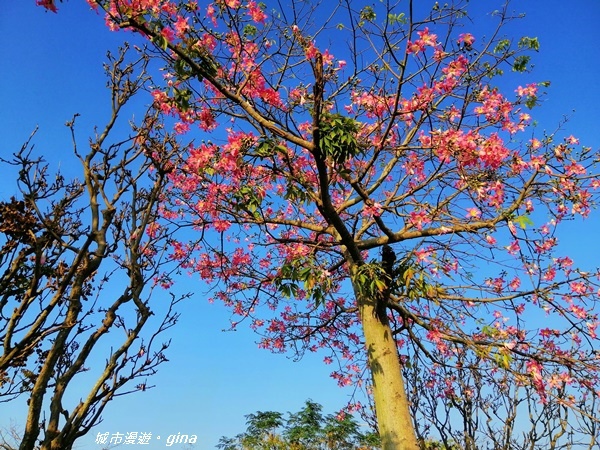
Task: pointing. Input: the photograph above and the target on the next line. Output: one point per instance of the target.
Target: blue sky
(51, 68)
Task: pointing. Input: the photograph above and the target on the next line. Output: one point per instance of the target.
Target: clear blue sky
(51, 68)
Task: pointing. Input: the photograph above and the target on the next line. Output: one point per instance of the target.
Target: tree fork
(391, 403)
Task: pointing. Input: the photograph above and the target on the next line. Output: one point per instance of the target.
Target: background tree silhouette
(79, 261)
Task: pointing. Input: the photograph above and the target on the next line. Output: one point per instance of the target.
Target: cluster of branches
(79, 264)
(468, 412)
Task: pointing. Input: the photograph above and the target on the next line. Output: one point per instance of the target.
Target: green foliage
(367, 14)
(397, 18)
(296, 194)
(520, 64)
(502, 46)
(303, 270)
(531, 101)
(248, 200)
(307, 429)
(408, 281)
(529, 43)
(268, 147)
(523, 221)
(412, 282)
(263, 422)
(371, 280)
(250, 30)
(304, 427)
(338, 137)
(522, 61)
(182, 98)
(182, 70)
(160, 41)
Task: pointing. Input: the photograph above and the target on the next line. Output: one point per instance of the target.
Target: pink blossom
(423, 254)
(579, 312)
(513, 248)
(419, 218)
(210, 13)
(373, 210)
(535, 143)
(572, 140)
(181, 128)
(181, 26)
(234, 4)
(515, 283)
(492, 152)
(168, 34)
(524, 117)
(414, 47)
(529, 91)
(497, 284)
(575, 169)
(457, 67)
(327, 58)
(578, 288)
(427, 38)
(467, 38)
(490, 240)
(256, 13)
(545, 245)
(311, 51)
(549, 274)
(48, 4)
(473, 213)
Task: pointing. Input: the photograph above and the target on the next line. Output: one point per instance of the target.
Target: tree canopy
(307, 429)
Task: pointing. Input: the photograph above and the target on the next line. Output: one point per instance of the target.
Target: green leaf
(182, 69)
(489, 331)
(529, 43)
(520, 64)
(250, 30)
(368, 14)
(531, 101)
(182, 98)
(338, 140)
(523, 221)
(397, 18)
(502, 46)
(160, 41)
(265, 148)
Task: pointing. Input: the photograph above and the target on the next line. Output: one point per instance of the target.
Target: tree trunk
(395, 423)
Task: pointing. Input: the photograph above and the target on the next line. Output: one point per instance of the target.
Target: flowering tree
(77, 270)
(376, 195)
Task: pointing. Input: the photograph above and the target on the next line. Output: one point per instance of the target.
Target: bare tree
(468, 411)
(80, 261)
